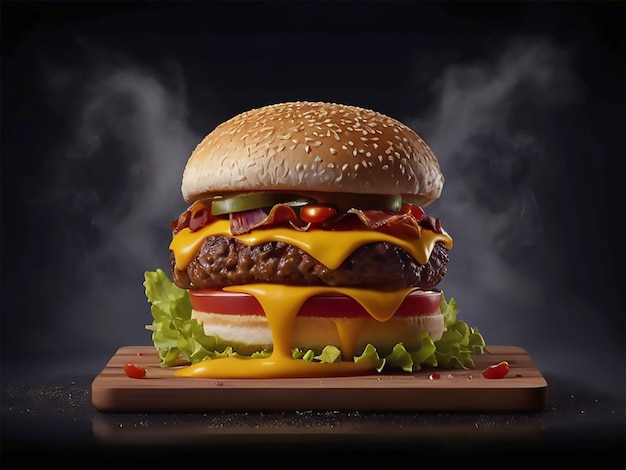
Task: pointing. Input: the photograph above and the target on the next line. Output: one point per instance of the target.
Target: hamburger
(306, 251)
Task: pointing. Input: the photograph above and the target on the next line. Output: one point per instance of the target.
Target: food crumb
(434, 376)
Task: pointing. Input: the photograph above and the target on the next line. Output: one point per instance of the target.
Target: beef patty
(224, 261)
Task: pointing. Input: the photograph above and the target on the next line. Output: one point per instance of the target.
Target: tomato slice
(416, 303)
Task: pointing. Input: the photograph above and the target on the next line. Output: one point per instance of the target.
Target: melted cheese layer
(329, 248)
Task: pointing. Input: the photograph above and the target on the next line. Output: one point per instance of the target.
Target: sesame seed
(333, 151)
(385, 167)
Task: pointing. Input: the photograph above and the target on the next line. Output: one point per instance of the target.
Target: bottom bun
(250, 333)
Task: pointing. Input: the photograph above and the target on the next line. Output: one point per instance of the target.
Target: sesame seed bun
(313, 147)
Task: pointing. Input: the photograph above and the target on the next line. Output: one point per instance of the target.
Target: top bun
(313, 147)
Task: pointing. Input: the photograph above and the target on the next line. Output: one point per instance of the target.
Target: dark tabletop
(48, 420)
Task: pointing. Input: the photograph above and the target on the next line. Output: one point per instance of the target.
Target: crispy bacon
(404, 222)
(243, 222)
(408, 222)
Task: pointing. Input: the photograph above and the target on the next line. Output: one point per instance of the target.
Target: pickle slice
(246, 201)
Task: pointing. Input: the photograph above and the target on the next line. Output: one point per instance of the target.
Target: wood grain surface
(523, 389)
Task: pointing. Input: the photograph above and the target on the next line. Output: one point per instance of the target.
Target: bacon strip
(408, 222)
(398, 221)
(243, 222)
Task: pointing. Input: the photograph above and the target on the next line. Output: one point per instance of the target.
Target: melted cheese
(282, 303)
(329, 248)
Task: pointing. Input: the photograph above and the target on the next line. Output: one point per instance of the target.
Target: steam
(119, 181)
(491, 160)
(486, 130)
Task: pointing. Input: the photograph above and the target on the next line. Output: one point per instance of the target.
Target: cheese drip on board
(330, 248)
(281, 305)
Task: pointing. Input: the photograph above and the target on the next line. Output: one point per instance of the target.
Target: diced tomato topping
(316, 213)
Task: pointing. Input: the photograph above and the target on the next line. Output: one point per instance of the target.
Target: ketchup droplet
(496, 371)
(134, 372)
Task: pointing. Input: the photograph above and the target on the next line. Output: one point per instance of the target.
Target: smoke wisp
(490, 129)
(117, 179)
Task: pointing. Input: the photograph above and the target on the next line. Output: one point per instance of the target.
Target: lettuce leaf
(180, 339)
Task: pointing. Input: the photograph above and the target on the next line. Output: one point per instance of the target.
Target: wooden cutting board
(523, 389)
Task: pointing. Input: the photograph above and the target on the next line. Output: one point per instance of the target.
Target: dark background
(523, 103)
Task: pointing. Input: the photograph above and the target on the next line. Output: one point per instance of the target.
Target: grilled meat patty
(224, 261)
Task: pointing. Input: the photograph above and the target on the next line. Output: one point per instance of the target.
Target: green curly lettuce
(178, 337)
